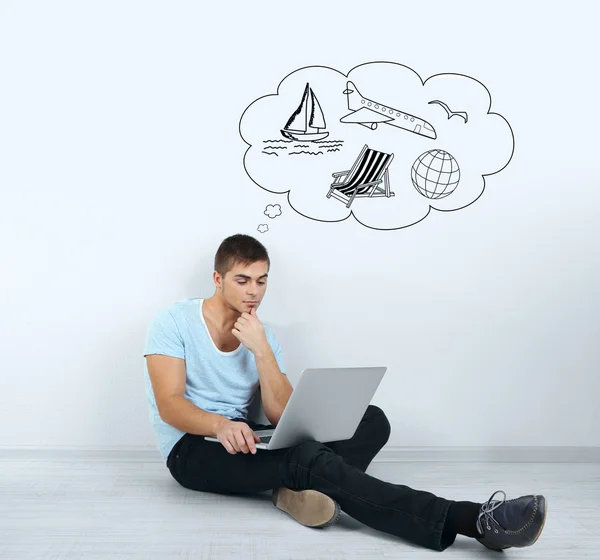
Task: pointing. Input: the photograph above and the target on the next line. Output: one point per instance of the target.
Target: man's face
(244, 286)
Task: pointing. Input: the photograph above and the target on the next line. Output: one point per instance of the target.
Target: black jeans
(336, 469)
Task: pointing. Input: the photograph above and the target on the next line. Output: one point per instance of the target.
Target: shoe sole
(308, 507)
(544, 507)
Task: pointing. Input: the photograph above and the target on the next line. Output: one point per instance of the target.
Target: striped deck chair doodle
(364, 179)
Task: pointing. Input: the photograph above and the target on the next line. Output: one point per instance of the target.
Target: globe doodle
(435, 174)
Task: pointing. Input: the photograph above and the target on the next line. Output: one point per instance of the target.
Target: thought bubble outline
(351, 212)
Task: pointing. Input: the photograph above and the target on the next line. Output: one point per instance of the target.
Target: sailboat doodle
(307, 121)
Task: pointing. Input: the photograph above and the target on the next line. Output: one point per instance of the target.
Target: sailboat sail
(317, 119)
(299, 116)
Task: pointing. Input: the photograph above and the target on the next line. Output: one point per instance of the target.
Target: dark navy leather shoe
(507, 523)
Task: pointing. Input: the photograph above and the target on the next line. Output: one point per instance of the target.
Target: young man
(207, 359)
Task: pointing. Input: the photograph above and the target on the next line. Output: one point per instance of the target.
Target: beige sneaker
(308, 507)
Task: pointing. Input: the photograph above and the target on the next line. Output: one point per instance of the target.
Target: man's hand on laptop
(237, 436)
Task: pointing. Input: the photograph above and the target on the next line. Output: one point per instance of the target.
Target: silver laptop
(327, 404)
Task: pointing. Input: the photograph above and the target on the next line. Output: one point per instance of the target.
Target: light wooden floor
(69, 508)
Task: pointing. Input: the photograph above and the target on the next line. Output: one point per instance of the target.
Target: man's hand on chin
(250, 332)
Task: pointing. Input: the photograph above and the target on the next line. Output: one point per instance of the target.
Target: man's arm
(275, 387)
(168, 377)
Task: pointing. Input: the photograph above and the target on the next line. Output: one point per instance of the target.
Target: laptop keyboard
(265, 439)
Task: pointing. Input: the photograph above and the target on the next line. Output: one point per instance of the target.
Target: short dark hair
(239, 249)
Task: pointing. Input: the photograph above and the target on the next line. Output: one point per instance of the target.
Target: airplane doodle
(369, 113)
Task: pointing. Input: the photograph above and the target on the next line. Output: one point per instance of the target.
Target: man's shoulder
(178, 311)
(184, 305)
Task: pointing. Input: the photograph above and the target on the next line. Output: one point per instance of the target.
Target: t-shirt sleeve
(163, 336)
(277, 351)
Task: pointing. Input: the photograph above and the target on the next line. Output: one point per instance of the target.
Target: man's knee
(382, 427)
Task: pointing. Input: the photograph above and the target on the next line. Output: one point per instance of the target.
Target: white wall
(121, 171)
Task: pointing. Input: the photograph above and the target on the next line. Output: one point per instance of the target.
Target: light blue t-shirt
(224, 383)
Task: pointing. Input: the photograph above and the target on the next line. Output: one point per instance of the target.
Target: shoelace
(486, 512)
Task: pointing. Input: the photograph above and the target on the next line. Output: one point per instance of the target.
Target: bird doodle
(450, 112)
